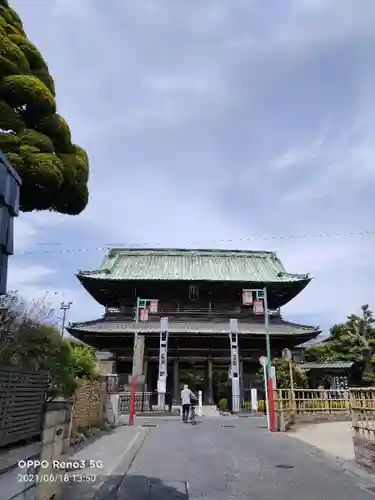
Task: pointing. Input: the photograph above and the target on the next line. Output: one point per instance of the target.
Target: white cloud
(23, 275)
(208, 123)
(200, 83)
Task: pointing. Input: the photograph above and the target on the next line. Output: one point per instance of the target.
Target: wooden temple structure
(199, 291)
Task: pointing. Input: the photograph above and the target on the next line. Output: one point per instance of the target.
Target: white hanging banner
(163, 352)
(258, 307)
(247, 297)
(153, 306)
(234, 372)
(143, 314)
(162, 386)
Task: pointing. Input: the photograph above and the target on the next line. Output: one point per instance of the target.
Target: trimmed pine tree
(36, 140)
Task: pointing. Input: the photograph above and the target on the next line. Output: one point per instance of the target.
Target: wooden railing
(310, 405)
(362, 403)
(209, 310)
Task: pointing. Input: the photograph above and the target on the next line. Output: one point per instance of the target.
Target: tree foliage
(83, 360)
(36, 140)
(283, 375)
(30, 340)
(353, 340)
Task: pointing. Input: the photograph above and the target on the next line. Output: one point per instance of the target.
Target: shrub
(322, 405)
(261, 405)
(28, 340)
(223, 404)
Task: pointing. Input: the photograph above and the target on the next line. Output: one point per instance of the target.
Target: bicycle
(192, 415)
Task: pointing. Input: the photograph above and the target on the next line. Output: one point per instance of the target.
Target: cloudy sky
(213, 123)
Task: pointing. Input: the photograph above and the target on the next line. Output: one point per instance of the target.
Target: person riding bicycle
(188, 399)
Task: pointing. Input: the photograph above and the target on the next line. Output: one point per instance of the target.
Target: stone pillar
(139, 358)
(139, 355)
(105, 367)
(176, 381)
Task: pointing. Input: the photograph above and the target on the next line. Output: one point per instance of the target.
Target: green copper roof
(192, 265)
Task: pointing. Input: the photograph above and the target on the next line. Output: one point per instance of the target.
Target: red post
(271, 405)
(132, 401)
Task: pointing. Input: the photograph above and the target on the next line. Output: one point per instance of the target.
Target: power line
(107, 247)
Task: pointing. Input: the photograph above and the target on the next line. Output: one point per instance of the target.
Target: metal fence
(145, 402)
(22, 404)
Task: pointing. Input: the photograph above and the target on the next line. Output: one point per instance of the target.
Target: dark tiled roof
(208, 327)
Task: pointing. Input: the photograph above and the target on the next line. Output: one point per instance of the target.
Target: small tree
(353, 340)
(30, 342)
(84, 363)
(283, 375)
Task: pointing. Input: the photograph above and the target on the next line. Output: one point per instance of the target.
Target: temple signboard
(258, 307)
(143, 314)
(247, 297)
(153, 306)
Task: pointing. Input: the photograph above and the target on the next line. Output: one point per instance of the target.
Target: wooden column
(145, 370)
(208, 395)
(176, 381)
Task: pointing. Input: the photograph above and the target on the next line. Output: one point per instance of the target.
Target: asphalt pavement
(221, 458)
(234, 459)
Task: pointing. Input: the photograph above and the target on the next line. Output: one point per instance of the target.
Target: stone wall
(89, 404)
(18, 481)
(55, 442)
(364, 452)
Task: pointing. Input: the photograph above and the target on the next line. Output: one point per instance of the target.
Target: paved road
(212, 462)
(175, 461)
(333, 437)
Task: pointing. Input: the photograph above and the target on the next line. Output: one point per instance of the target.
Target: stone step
(210, 411)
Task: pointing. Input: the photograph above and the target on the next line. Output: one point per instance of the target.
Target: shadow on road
(136, 487)
(120, 487)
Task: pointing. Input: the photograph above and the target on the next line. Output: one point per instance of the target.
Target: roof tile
(202, 327)
(199, 265)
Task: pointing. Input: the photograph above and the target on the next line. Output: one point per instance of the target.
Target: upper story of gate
(190, 283)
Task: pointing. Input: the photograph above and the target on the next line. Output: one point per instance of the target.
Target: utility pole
(64, 307)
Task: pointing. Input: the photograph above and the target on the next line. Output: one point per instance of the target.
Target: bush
(322, 405)
(28, 340)
(261, 405)
(223, 404)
